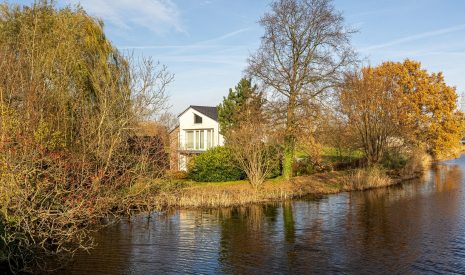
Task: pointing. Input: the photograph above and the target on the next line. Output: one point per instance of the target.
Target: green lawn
(331, 154)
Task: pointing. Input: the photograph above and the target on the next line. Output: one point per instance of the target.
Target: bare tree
(302, 55)
(168, 120)
(251, 142)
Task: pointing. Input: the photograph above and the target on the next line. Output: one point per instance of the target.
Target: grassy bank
(162, 194)
(344, 174)
(204, 195)
(188, 194)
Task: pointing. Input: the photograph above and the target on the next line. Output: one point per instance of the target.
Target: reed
(366, 178)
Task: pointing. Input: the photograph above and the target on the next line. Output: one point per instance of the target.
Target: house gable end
(187, 120)
(208, 111)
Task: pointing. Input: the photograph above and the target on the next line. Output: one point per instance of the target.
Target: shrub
(410, 162)
(67, 115)
(308, 166)
(275, 162)
(215, 165)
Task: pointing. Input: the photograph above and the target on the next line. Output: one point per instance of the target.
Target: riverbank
(175, 193)
(188, 194)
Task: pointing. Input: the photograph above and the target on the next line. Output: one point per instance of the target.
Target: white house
(198, 131)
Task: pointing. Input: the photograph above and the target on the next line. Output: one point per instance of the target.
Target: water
(416, 227)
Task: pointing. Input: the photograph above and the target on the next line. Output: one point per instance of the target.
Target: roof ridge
(203, 106)
(209, 111)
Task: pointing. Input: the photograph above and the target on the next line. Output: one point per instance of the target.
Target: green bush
(215, 164)
(394, 160)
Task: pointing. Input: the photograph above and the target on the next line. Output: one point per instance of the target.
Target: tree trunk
(289, 138)
(288, 158)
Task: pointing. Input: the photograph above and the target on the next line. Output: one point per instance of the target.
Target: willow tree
(303, 53)
(69, 104)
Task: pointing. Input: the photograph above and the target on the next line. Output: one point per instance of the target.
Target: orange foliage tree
(401, 100)
(429, 107)
(371, 103)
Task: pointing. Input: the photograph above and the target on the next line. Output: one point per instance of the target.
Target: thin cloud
(198, 45)
(158, 16)
(415, 37)
(206, 3)
(226, 36)
(232, 59)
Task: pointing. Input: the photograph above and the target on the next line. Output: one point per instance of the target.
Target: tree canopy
(429, 106)
(372, 105)
(303, 53)
(401, 101)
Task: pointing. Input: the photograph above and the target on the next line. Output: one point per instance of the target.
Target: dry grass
(362, 179)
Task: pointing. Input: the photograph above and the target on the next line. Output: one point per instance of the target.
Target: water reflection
(411, 228)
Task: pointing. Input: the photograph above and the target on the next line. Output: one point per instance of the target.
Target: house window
(199, 140)
(189, 139)
(209, 139)
(197, 119)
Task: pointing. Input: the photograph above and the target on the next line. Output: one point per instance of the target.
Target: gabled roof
(211, 112)
(174, 129)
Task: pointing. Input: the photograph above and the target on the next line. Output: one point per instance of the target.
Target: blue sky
(205, 43)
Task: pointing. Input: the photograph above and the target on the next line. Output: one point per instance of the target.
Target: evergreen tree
(232, 105)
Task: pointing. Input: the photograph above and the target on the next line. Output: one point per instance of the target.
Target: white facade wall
(186, 123)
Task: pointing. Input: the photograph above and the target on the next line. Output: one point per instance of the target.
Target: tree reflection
(447, 177)
(246, 238)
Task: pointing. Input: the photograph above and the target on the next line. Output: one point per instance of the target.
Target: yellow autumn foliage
(399, 104)
(429, 114)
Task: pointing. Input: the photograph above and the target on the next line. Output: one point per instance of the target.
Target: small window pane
(190, 139)
(197, 119)
(209, 138)
(202, 140)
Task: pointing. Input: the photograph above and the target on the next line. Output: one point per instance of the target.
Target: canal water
(416, 227)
